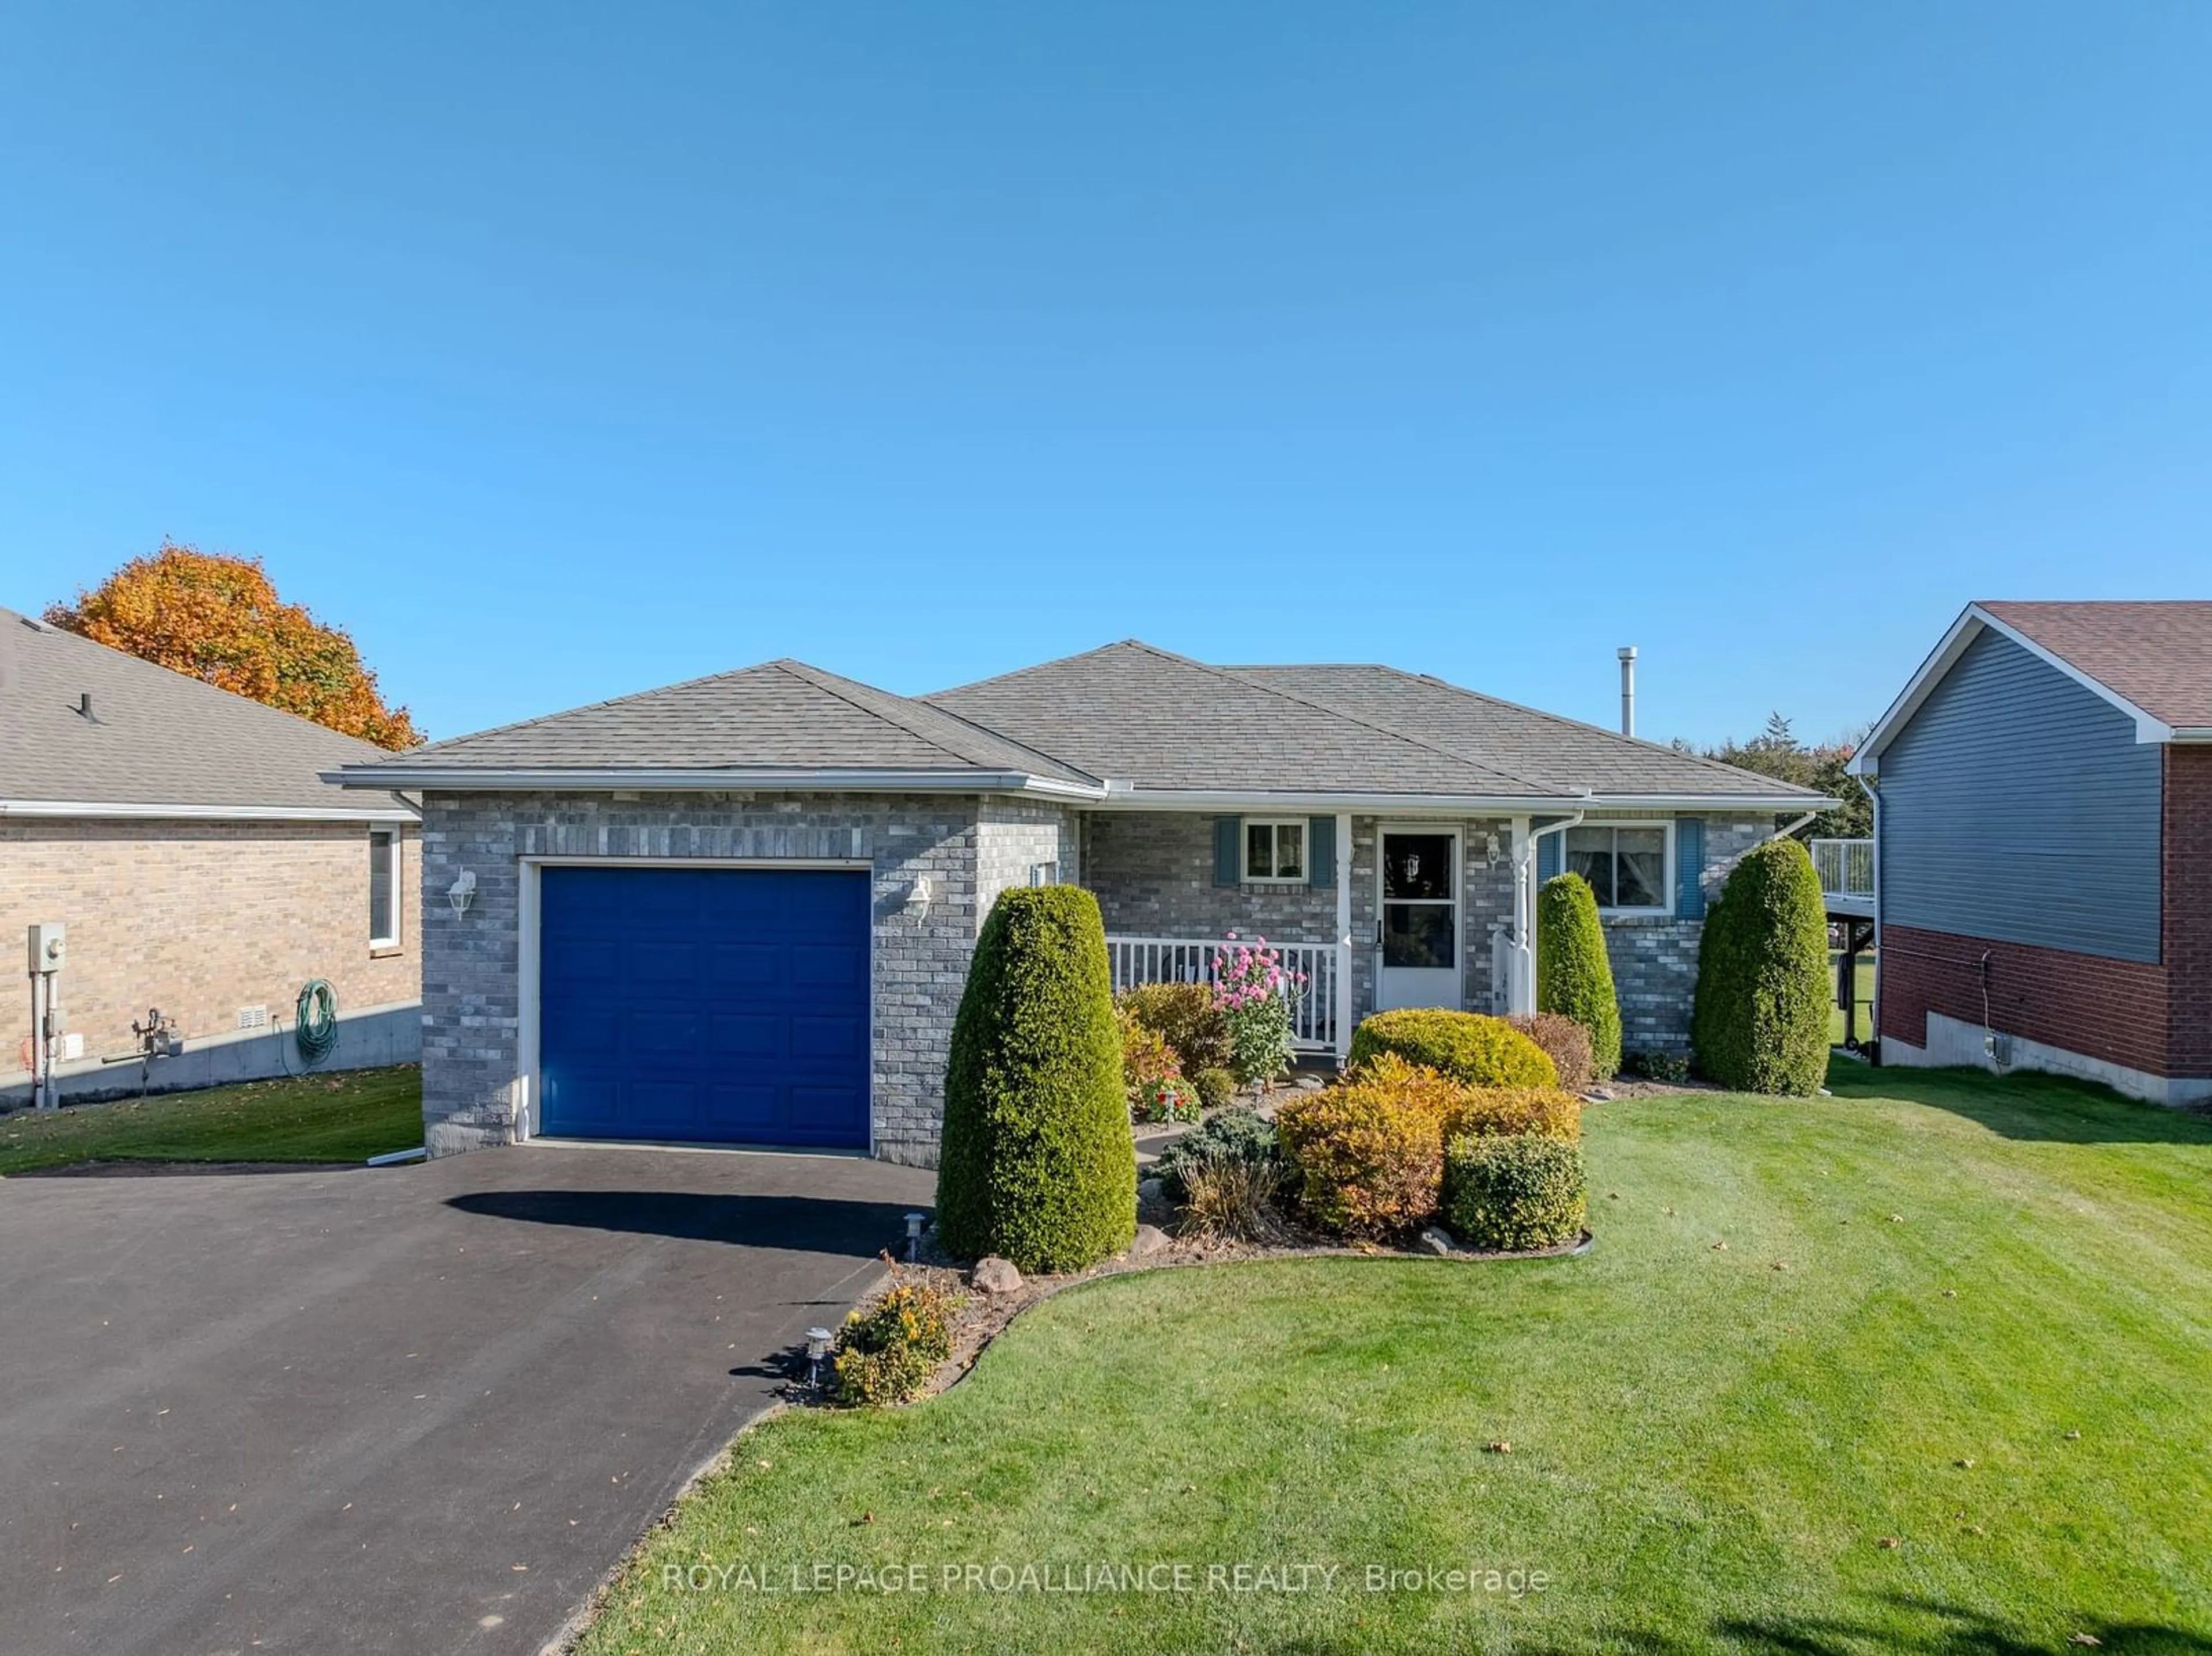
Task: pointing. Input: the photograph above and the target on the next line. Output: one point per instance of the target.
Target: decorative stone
(995, 1276)
(1310, 1083)
(1436, 1239)
(1598, 1095)
(1151, 1190)
(1150, 1240)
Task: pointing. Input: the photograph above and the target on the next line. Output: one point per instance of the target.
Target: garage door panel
(737, 1035)
(833, 1038)
(732, 967)
(716, 1005)
(827, 965)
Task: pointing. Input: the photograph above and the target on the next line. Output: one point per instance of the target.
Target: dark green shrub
(1232, 1135)
(1510, 1195)
(887, 1350)
(1656, 1064)
(1036, 1163)
(1760, 1024)
(1469, 1047)
(1565, 1042)
(1216, 1088)
(1574, 976)
(1186, 1019)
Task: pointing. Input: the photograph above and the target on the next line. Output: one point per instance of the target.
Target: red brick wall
(2107, 1008)
(2187, 920)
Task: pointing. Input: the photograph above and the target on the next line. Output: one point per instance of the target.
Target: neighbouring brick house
(741, 909)
(2043, 847)
(186, 838)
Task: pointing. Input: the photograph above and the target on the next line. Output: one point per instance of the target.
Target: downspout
(1784, 832)
(1874, 796)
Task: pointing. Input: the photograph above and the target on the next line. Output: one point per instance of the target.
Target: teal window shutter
(1321, 851)
(1690, 868)
(1547, 857)
(1228, 853)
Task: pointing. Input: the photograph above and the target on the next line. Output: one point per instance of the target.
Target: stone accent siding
(199, 918)
(1013, 836)
(1655, 961)
(472, 984)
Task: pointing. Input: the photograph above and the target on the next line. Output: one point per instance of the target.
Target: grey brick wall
(472, 990)
(1654, 961)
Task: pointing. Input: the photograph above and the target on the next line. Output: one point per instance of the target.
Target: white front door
(1418, 959)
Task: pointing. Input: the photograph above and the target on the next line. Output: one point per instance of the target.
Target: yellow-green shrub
(1471, 1049)
(1368, 1152)
(887, 1350)
(1514, 1194)
(1504, 1112)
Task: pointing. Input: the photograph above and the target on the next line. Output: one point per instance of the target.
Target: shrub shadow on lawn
(802, 1224)
(1957, 1632)
(2025, 1104)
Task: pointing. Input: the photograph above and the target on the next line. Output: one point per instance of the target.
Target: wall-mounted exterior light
(462, 892)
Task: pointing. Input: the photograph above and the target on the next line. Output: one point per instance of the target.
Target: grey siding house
(2043, 847)
(740, 910)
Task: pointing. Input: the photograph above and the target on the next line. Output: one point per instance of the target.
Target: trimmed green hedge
(1760, 1024)
(1036, 1163)
(1471, 1049)
(1574, 977)
(1510, 1195)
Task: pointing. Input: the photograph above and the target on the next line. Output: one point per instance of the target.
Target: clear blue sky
(559, 352)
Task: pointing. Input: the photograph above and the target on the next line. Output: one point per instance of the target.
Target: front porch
(1435, 929)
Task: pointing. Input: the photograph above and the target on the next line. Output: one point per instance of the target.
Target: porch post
(1521, 980)
(1343, 936)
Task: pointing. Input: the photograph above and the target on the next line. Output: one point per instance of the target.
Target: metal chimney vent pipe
(1627, 654)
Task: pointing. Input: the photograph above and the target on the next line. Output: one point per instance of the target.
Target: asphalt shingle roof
(1158, 720)
(1553, 755)
(1126, 713)
(153, 738)
(2157, 653)
(781, 715)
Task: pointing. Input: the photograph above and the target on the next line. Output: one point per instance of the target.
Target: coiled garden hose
(315, 1020)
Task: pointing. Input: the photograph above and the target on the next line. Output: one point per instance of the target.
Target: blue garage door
(725, 1006)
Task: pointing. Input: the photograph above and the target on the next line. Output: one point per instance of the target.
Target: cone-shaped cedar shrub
(1036, 1164)
(1573, 976)
(1474, 1050)
(1760, 1024)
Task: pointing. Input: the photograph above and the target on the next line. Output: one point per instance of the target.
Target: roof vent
(1627, 654)
(84, 703)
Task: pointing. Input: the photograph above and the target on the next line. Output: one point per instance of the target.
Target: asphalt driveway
(416, 1409)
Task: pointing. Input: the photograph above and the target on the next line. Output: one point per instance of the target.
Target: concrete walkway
(417, 1409)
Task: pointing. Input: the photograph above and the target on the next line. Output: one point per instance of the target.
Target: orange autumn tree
(220, 620)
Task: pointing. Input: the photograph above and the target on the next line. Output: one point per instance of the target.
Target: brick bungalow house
(184, 838)
(740, 910)
(2043, 847)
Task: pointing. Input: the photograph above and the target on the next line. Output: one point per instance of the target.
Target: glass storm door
(1419, 950)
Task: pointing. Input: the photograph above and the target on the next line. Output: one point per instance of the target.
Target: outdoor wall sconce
(1490, 852)
(917, 897)
(462, 892)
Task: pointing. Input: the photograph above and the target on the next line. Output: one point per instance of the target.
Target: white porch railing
(1315, 969)
(1845, 867)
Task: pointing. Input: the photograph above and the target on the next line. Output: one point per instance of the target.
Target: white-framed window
(383, 888)
(1044, 873)
(1275, 851)
(1629, 865)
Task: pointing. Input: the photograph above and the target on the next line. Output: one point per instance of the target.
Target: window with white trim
(1629, 865)
(383, 888)
(1275, 851)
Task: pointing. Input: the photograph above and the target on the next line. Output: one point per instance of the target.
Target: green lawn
(1708, 1450)
(348, 1116)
